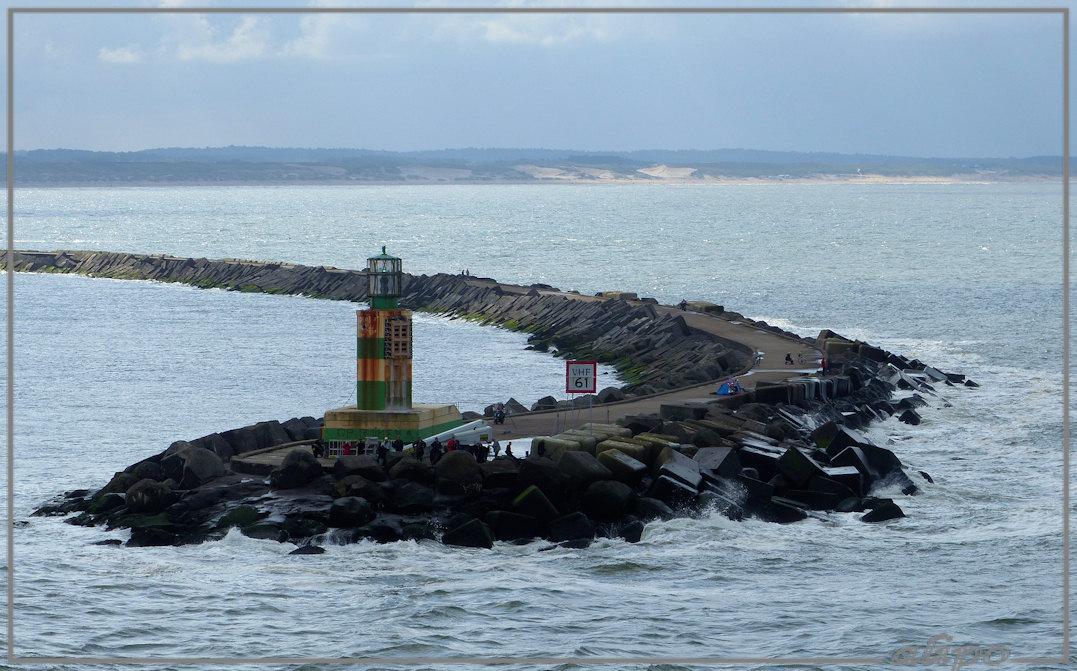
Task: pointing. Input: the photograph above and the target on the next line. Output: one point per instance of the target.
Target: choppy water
(966, 277)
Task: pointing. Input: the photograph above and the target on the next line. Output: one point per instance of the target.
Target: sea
(965, 277)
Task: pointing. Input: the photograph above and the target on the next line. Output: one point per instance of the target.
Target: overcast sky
(939, 85)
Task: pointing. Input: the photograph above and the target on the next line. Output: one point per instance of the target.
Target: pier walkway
(770, 367)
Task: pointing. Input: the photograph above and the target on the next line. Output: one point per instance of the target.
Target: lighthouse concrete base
(349, 424)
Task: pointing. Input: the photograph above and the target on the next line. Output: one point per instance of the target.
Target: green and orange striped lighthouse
(383, 352)
(383, 406)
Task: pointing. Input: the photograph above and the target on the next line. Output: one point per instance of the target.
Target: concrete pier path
(770, 367)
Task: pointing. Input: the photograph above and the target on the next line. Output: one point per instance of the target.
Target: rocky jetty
(651, 350)
(780, 453)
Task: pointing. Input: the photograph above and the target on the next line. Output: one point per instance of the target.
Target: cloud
(129, 54)
(324, 36)
(543, 30)
(194, 38)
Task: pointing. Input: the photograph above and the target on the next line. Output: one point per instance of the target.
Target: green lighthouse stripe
(370, 348)
(371, 394)
(374, 394)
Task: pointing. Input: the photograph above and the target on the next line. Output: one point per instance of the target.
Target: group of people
(433, 452)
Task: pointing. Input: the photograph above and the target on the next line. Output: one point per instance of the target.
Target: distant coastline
(265, 166)
(733, 181)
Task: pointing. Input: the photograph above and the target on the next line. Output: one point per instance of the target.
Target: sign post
(581, 377)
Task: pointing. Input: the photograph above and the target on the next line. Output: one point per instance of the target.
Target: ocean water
(965, 277)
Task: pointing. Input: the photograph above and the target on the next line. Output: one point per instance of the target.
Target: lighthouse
(383, 404)
(383, 351)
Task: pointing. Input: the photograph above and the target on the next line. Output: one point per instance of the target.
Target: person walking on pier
(497, 448)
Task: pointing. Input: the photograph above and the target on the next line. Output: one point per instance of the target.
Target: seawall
(652, 349)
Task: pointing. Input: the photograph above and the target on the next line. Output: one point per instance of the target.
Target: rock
(610, 395)
(415, 531)
(672, 491)
(632, 532)
(350, 511)
(544, 474)
(216, 444)
(571, 527)
(199, 467)
(303, 527)
(149, 496)
(266, 531)
(356, 485)
(510, 526)
(471, 534)
(458, 473)
(147, 468)
(499, 473)
(606, 500)
(886, 510)
(299, 467)
(722, 460)
(359, 464)
(798, 467)
(624, 468)
(671, 463)
(534, 503)
(408, 468)
(514, 407)
(910, 417)
(544, 403)
(382, 530)
(582, 468)
(307, 550)
(412, 497)
(240, 516)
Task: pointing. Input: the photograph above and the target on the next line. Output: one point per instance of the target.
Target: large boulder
(472, 534)
(458, 473)
(624, 468)
(199, 467)
(606, 500)
(411, 497)
(359, 464)
(582, 468)
(499, 473)
(510, 526)
(571, 527)
(545, 475)
(149, 496)
(534, 503)
(298, 468)
(407, 468)
(350, 511)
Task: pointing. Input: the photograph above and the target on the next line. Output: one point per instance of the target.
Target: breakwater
(777, 461)
(782, 452)
(651, 349)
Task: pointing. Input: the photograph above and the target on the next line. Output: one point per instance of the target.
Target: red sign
(581, 377)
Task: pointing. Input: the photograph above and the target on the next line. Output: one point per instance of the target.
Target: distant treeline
(58, 167)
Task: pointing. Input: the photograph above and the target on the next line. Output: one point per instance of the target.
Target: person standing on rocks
(383, 453)
(398, 445)
(420, 447)
(435, 451)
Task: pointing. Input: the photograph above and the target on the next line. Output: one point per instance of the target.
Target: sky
(921, 84)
